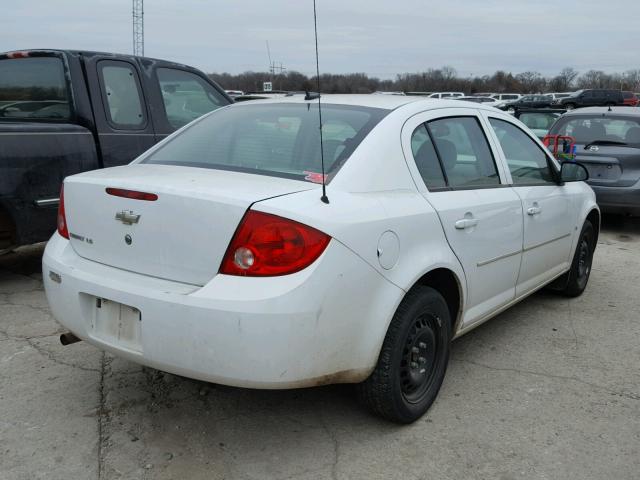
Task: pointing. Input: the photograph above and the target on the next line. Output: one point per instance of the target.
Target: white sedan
(212, 256)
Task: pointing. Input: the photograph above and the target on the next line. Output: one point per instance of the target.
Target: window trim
(100, 65)
(555, 173)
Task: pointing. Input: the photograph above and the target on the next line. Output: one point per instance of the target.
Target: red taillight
(132, 194)
(62, 218)
(267, 245)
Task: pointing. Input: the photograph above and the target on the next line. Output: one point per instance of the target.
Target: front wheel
(582, 260)
(413, 359)
(570, 106)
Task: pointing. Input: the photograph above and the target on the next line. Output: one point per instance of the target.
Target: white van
(446, 95)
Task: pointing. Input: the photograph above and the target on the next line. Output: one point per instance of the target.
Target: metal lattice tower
(138, 27)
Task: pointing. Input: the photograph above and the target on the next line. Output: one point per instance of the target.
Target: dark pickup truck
(64, 112)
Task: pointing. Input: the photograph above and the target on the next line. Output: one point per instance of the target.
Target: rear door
(455, 170)
(121, 110)
(549, 209)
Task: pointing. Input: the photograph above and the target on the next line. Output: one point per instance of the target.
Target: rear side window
(464, 152)
(527, 162)
(186, 96)
(33, 88)
(426, 158)
(122, 95)
(279, 140)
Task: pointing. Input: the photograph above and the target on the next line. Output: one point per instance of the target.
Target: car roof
(387, 102)
(625, 111)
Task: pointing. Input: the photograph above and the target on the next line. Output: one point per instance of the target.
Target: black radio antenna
(324, 197)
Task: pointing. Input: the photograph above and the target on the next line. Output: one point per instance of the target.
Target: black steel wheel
(582, 261)
(413, 359)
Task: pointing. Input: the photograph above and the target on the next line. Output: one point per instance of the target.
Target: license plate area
(116, 323)
(603, 172)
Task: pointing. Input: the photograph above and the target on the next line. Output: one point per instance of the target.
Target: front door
(549, 213)
(481, 217)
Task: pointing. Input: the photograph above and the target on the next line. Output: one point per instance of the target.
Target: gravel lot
(548, 390)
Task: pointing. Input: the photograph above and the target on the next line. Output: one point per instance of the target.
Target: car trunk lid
(610, 165)
(180, 236)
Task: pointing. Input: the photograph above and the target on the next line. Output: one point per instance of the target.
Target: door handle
(466, 223)
(533, 210)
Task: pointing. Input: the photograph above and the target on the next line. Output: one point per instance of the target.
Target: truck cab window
(120, 88)
(187, 96)
(33, 88)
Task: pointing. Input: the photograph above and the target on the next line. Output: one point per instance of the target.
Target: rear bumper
(620, 200)
(322, 325)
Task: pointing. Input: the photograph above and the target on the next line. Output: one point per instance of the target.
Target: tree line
(434, 80)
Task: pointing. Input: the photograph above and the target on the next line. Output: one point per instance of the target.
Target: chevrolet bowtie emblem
(127, 217)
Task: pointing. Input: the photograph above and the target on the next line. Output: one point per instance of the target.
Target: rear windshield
(272, 139)
(586, 129)
(538, 120)
(33, 88)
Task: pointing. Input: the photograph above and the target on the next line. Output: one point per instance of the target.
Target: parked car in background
(446, 94)
(539, 121)
(528, 101)
(592, 98)
(608, 144)
(506, 97)
(215, 256)
(64, 112)
(630, 99)
(558, 96)
(491, 102)
(234, 93)
(483, 94)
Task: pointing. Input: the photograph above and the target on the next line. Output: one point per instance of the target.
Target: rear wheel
(582, 260)
(413, 359)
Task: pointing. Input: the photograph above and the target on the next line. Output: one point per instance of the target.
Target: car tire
(511, 110)
(578, 275)
(413, 359)
(570, 106)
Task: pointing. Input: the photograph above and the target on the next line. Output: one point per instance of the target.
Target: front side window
(33, 88)
(527, 162)
(120, 88)
(186, 96)
(464, 152)
(279, 140)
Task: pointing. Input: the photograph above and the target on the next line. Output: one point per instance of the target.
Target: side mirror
(573, 172)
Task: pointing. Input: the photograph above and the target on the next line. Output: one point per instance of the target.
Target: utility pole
(275, 68)
(138, 27)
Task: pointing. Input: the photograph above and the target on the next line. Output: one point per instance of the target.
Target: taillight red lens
(267, 245)
(62, 218)
(132, 194)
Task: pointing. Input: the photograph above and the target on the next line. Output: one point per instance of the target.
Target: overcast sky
(378, 37)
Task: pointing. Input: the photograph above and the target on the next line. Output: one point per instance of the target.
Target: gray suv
(608, 144)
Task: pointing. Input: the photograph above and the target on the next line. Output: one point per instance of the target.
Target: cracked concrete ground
(548, 390)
